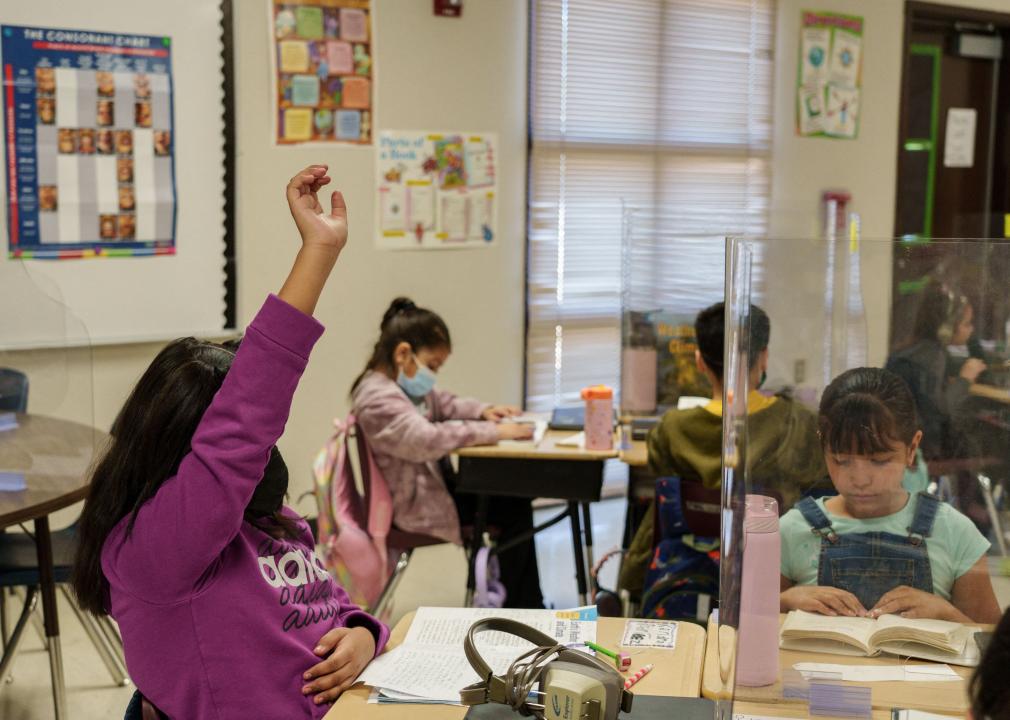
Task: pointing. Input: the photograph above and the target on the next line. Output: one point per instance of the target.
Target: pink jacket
(408, 445)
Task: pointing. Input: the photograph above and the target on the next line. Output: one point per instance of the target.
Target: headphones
(573, 684)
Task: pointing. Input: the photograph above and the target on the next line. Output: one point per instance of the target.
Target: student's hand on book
(911, 603)
(496, 413)
(822, 599)
(347, 652)
(515, 431)
(326, 231)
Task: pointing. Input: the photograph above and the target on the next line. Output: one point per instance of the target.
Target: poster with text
(89, 144)
(829, 75)
(322, 71)
(436, 190)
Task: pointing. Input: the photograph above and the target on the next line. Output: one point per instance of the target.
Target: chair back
(13, 390)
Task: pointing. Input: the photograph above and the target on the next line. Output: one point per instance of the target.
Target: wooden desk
(637, 455)
(677, 674)
(54, 456)
(938, 697)
(529, 470)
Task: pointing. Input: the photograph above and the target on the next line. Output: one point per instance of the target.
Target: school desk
(677, 673)
(949, 698)
(542, 470)
(54, 456)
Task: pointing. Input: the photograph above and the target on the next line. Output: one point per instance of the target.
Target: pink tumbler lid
(761, 515)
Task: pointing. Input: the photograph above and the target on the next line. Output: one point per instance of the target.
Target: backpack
(355, 513)
(682, 580)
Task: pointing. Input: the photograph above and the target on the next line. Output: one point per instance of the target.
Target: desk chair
(19, 568)
(13, 390)
(942, 474)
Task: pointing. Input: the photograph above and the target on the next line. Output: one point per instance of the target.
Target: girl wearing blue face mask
(405, 420)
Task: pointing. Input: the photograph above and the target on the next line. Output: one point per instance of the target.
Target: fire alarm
(449, 8)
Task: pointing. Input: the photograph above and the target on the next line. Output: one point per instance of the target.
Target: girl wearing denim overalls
(874, 548)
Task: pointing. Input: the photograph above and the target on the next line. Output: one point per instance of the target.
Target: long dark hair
(405, 322)
(940, 310)
(990, 692)
(150, 437)
(864, 410)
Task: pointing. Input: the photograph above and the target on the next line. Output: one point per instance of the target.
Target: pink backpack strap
(380, 502)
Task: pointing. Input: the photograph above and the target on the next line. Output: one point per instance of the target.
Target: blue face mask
(421, 384)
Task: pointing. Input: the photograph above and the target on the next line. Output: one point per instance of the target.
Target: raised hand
(324, 235)
(325, 230)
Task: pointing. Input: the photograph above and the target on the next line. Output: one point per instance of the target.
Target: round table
(54, 455)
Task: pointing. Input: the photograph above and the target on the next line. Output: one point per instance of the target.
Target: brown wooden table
(536, 470)
(677, 673)
(949, 698)
(54, 456)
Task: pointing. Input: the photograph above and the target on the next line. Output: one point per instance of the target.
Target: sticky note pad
(305, 90)
(1006, 226)
(357, 93)
(340, 57)
(294, 56)
(353, 25)
(298, 124)
(12, 481)
(348, 125)
(309, 22)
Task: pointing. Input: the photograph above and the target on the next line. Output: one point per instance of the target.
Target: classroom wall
(867, 167)
(432, 73)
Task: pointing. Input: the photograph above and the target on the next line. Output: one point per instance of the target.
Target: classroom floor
(434, 578)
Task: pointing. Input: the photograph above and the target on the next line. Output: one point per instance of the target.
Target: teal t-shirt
(955, 545)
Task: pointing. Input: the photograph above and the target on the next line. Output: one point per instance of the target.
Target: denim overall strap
(926, 507)
(819, 522)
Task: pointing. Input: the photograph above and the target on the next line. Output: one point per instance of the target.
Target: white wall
(432, 73)
(802, 167)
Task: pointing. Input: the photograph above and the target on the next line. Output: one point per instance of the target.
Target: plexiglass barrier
(48, 437)
(867, 402)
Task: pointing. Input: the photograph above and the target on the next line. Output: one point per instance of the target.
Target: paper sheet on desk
(877, 673)
(430, 663)
(578, 440)
(539, 430)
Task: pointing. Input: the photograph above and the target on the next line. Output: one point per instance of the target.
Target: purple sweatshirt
(218, 618)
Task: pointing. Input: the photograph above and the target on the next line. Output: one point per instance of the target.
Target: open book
(936, 640)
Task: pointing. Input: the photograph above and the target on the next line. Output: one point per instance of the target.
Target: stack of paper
(430, 666)
(8, 421)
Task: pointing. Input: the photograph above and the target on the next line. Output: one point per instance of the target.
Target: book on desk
(933, 640)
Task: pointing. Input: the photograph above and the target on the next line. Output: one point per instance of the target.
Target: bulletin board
(829, 77)
(436, 190)
(128, 228)
(322, 71)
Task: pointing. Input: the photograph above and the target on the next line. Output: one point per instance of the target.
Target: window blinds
(660, 105)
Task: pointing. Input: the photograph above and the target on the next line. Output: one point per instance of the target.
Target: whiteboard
(134, 299)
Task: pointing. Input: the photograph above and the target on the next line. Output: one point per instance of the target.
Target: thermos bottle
(758, 649)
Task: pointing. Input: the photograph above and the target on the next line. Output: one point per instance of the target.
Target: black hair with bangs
(865, 411)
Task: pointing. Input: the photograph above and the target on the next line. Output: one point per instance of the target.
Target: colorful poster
(436, 190)
(89, 143)
(829, 75)
(322, 71)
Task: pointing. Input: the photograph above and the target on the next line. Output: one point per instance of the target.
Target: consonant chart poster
(89, 143)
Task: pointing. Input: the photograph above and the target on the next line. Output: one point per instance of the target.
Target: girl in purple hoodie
(224, 607)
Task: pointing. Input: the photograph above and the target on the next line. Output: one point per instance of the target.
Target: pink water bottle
(757, 660)
(599, 424)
